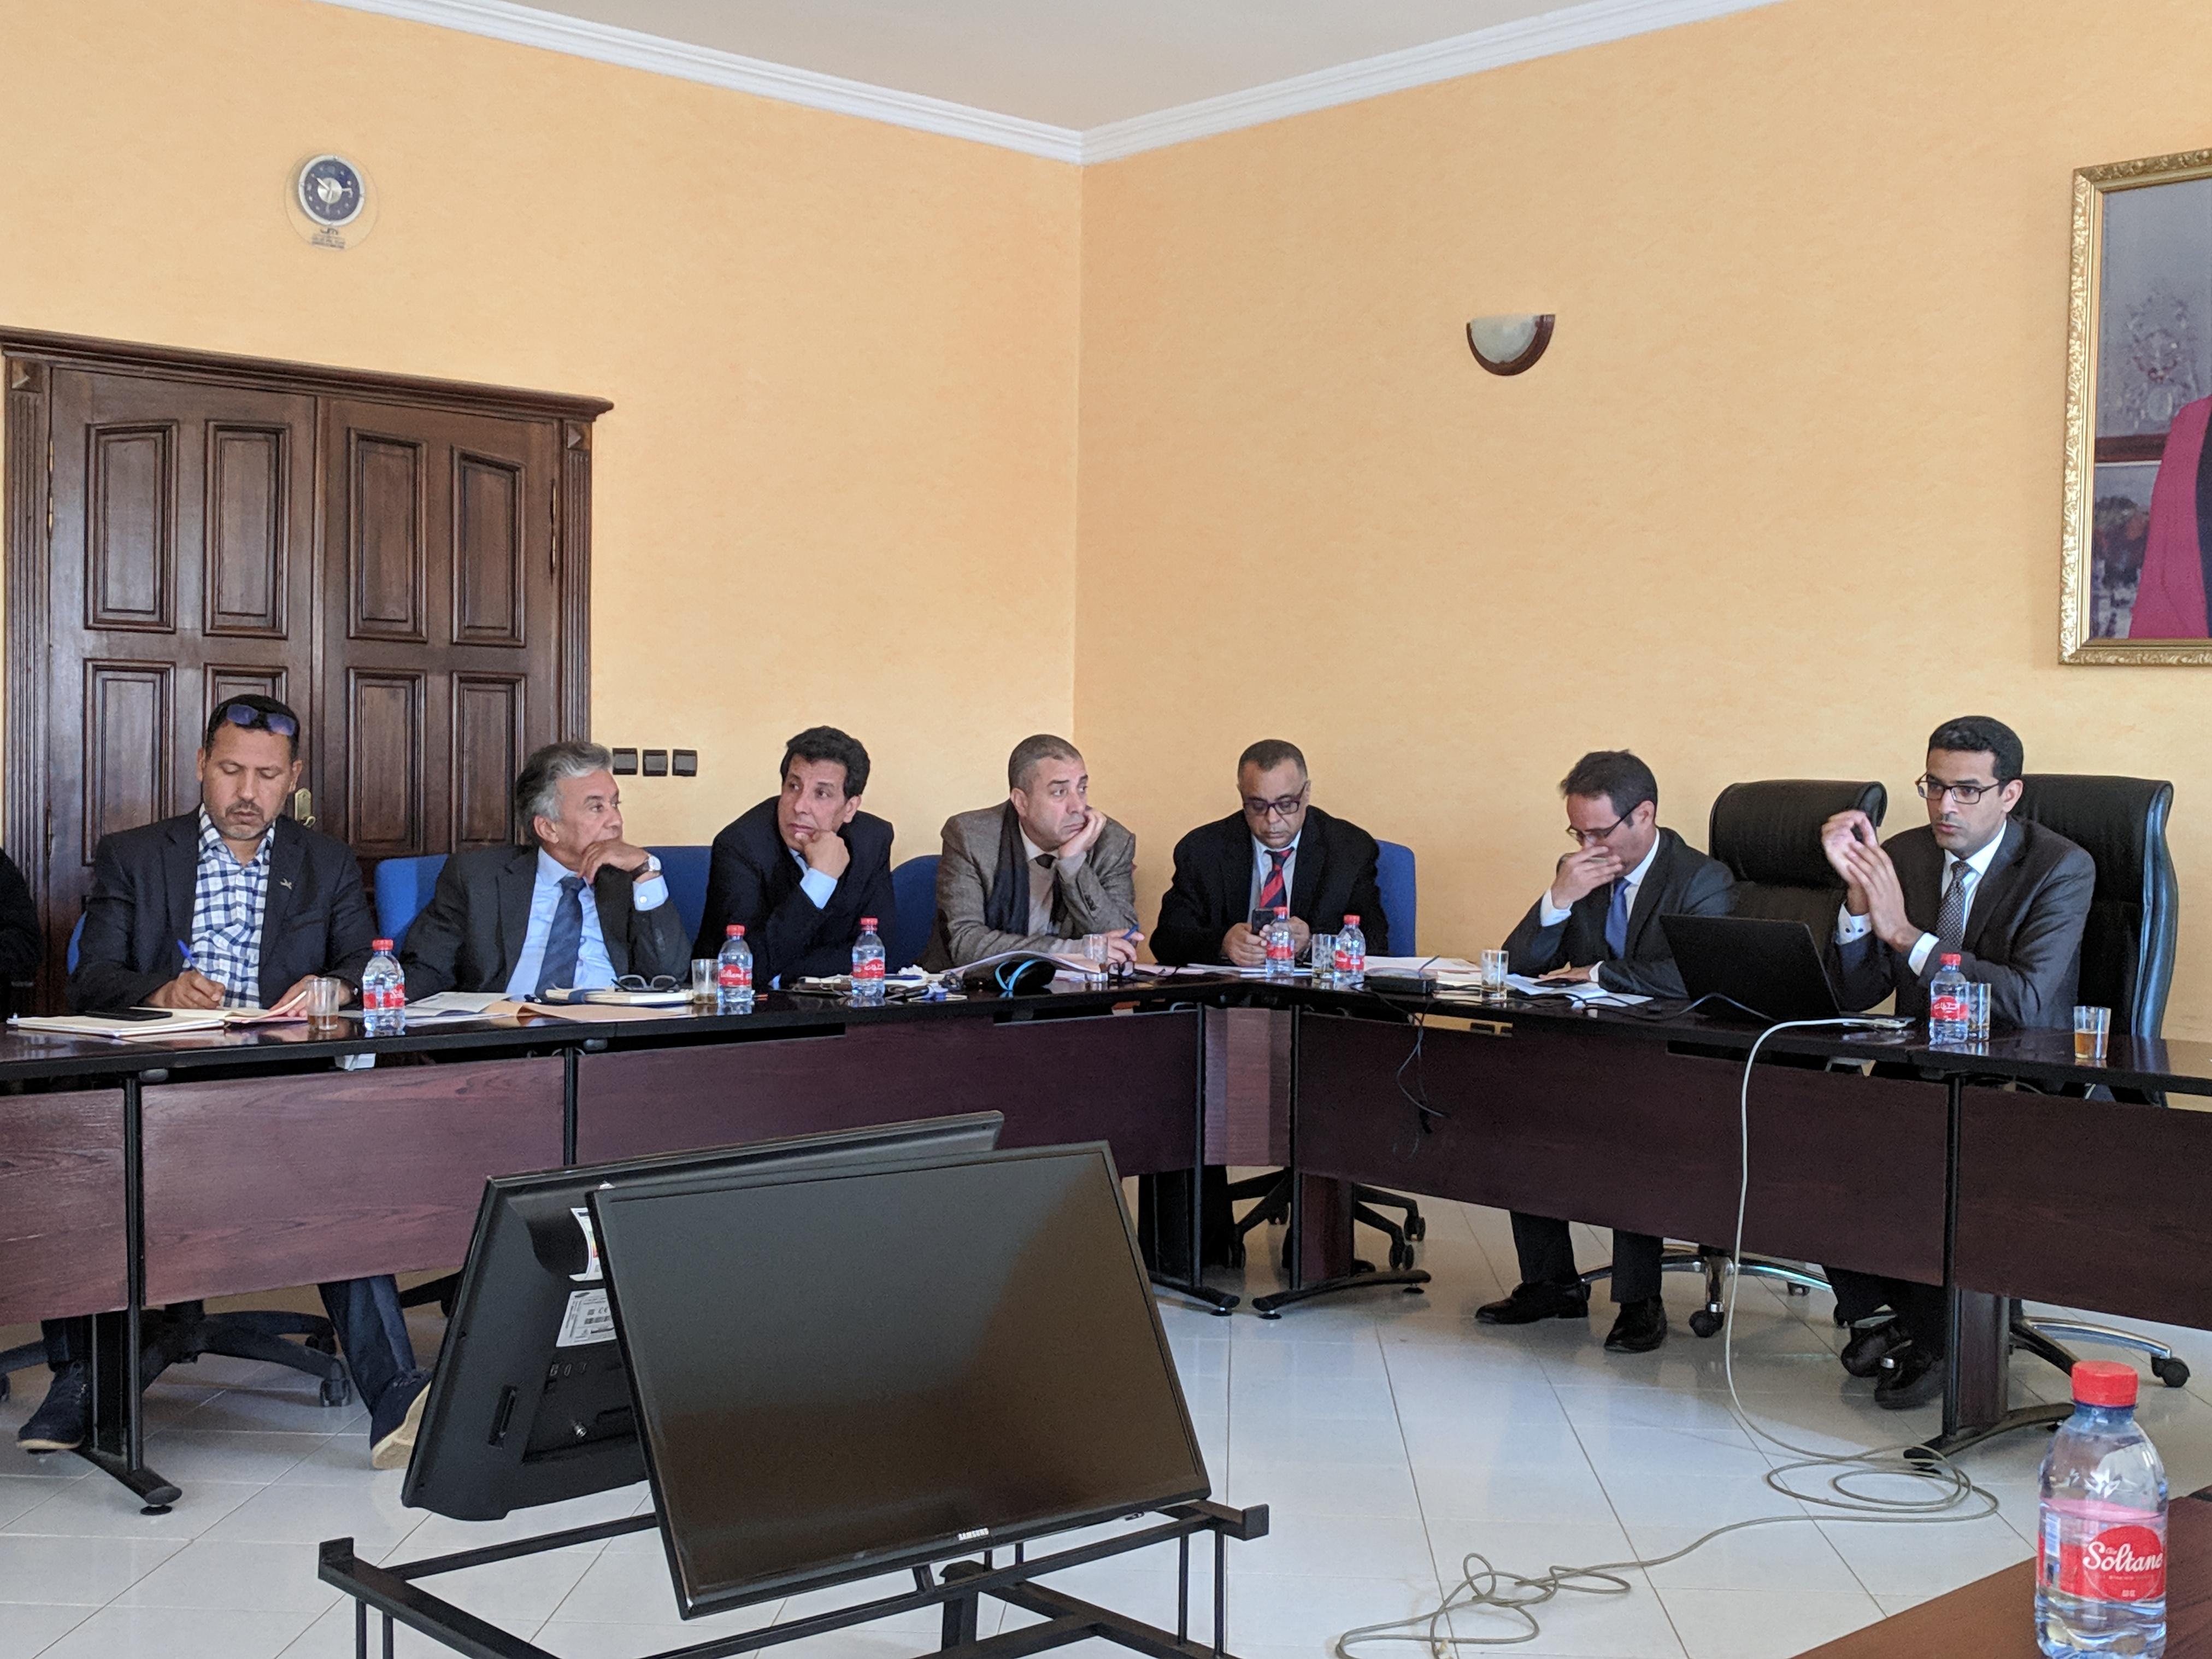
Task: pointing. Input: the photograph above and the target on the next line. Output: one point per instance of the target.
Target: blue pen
(192, 965)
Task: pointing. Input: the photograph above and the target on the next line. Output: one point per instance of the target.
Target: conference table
(135, 1174)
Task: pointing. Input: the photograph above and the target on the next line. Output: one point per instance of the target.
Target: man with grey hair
(577, 907)
(1041, 869)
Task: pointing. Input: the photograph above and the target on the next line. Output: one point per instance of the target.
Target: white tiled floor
(1390, 1434)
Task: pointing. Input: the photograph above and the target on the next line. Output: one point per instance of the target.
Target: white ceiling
(1076, 63)
(1076, 79)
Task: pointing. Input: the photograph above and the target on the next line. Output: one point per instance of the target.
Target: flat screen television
(895, 1366)
(530, 1403)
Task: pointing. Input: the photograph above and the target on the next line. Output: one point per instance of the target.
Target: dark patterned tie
(1951, 918)
(563, 937)
(1616, 921)
(1271, 889)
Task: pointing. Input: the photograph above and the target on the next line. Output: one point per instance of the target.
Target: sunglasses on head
(258, 720)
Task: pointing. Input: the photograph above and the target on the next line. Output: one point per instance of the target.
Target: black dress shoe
(1640, 1326)
(1530, 1303)
(1863, 1354)
(62, 1423)
(1910, 1377)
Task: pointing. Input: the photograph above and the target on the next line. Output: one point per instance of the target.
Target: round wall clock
(330, 202)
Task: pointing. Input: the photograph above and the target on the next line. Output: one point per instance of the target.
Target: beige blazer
(1099, 896)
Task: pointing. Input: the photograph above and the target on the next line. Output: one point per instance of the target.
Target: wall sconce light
(1510, 345)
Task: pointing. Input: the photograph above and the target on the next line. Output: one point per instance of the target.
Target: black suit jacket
(316, 918)
(754, 881)
(2023, 930)
(470, 935)
(1332, 877)
(1681, 882)
(22, 941)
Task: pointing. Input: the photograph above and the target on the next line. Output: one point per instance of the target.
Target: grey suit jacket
(470, 935)
(2023, 932)
(1100, 897)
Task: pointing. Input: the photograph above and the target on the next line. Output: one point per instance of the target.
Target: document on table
(451, 1004)
(1580, 990)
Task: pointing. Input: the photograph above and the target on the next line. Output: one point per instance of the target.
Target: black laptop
(1769, 970)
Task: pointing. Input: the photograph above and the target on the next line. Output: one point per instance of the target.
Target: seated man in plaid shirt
(233, 905)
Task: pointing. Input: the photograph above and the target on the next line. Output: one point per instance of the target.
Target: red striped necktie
(1271, 889)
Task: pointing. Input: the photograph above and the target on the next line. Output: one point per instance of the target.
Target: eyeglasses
(638, 982)
(258, 720)
(1964, 794)
(1591, 837)
(1285, 806)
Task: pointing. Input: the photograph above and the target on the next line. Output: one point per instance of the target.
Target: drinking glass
(2092, 1027)
(1324, 960)
(1097, 957)
(1493, 966)
(703, 979)
(319, 1003)
(1978, 1012)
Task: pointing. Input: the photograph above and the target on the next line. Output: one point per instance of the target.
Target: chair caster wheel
(337, 1391)
(2172, 1372)
(1417, 1228)
(1705, 1322)
(1401, 1257)
(1836, 1313)
(1792, 1288)
(1272, 1313)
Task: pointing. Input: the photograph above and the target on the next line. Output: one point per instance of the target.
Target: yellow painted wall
(1785, 492)
(839, 477)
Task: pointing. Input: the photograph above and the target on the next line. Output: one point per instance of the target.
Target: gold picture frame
(2127, 419)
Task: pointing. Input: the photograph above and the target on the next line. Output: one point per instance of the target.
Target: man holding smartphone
(2009, 898)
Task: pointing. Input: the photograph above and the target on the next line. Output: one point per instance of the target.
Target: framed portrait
(2137, 539)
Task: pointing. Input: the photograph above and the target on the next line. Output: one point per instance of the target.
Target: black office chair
(2127, 964)
(1768, 834)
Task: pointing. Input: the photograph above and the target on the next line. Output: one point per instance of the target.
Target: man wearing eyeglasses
(1278, 850)
(233, 905)
(576, 908)
(2010, 899)
(1599, 923)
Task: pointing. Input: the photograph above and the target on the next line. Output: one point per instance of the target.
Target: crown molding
(1589, 25)
(1593, 23)
(605, 43)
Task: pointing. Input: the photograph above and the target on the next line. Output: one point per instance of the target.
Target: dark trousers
(1862, 1295)
(1547, 1257)
(371, 1325)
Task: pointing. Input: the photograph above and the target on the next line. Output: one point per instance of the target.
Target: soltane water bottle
(1281, 945)
(1351, 956)
(2101, 1548)
(868, 965)
(733, 973)
(1946, 1002)
(383, 994)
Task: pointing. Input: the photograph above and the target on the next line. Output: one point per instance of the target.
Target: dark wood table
(1994, 1618)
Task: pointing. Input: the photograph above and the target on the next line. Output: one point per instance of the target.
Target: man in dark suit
(23, 940)
(577, 907)
(233, 905)
(1599, 923)
(799, 870)
(1278, 849)
(2009, 899)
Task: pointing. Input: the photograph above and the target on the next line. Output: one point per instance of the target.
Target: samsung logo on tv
(972, 1532)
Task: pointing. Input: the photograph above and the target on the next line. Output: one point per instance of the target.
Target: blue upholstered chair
(403, 888)
(685, 870)
(1393, 875)
(913, 891)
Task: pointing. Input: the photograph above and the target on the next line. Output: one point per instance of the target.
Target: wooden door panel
(130, 555)
(248, 552)
(385, 554)
(225, 680)
(129, 771)
(386, 776)
(489, 592)
(491, 726)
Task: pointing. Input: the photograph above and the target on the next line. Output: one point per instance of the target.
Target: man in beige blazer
(1043, 869)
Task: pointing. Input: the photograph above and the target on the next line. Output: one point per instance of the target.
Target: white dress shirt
(817, 884)
(1262, 860)
(594, 971)
(1849, 927)
(1042, 879)
(1549, 914)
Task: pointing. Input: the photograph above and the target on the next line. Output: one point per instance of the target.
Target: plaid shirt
(228, 899)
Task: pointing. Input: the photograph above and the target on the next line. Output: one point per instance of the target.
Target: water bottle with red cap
(2100, 1550)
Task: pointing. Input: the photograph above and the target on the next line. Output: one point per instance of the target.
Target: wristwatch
(650, 867)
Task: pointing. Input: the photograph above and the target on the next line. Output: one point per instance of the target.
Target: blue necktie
(563, 937)
(1616, 921)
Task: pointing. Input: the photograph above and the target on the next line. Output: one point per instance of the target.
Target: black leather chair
(2127, 963)
(1768, 834)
